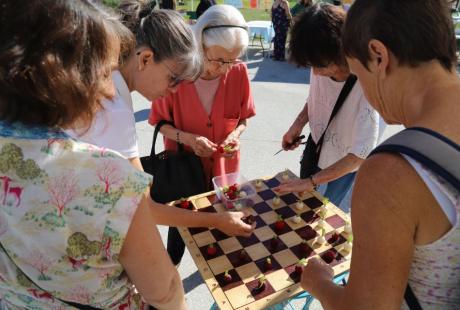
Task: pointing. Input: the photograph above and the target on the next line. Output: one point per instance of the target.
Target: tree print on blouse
(80, 249)
(110, 187)
(55, 146)
(13, 170)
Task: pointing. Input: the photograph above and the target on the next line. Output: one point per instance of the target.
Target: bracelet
(177, 137)
(315, 186)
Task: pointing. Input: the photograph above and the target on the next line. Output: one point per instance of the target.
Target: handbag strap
(346, 89)
(155, 134)
(433, 151)
(69, 303)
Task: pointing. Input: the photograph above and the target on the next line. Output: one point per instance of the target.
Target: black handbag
(312, 151)
(175, 174)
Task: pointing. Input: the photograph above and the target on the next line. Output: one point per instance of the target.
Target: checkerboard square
(267, 194)
(281, 231)
(302, 251)
(285, 212)
(285, 258)
(290, 239)
(218, 235)
(257, 251)
(204, 251)
(239, 296)
(230, 245)
(274, 246)
(248, 272)
(294, 225)
(269, 217)
(197, 230)
(273, 182)
(257, 293)
(262, 265)
(264, 233)
(224, 284)
(279, 279)
(274, 206)
(337, 260)
(219, 264)
(204, 238)
(245, 242)
(306, 233)
(309, 217)
(313, 202)
(261, 207)
(335, 221)
(209, 209)
(289, 199)
(204, 202)
(237, 259)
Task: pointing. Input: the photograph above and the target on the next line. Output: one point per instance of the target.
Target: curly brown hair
(54, 57)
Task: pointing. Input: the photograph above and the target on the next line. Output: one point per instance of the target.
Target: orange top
(233, 102)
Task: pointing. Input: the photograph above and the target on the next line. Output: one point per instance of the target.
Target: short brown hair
(52, 56)
(316, 37)
(414, 31)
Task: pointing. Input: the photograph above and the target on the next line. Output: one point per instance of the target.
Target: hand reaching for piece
(315, 274)
(231, 223)
(295, 186)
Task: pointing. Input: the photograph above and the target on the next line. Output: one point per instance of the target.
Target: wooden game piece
(348, 245)
(285, 175)
(261, 285)
(329, 256)
(296, 219)
(347, 228)
(211, 250)
(299, 205)
(184, 203)
(243, 255)
(258, 183)
(242, 194)
(304, 246)
(268, 264)
(334, 237)
(280, 224)
(276, 201)
(321, 239)
(227, 277)
(274, 243)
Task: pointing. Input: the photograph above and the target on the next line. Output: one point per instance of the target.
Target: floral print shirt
(65, 209)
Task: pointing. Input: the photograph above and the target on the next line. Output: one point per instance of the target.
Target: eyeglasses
(222, 63)
(174, 80)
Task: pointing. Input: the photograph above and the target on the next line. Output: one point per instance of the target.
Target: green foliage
(102, 198)
(53, 220)
(78, 245)
(28, 170)
(12, 158)
(111, 3)
(22, 279)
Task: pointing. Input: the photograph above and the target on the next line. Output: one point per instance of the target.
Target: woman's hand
(290, 136)
(315, 274)
(201, 146)
(231, 223)
(233, 144)
(295, 186)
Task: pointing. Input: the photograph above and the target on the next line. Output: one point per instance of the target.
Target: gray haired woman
(210, 114)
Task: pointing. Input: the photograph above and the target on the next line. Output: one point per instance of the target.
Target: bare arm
(136, 162)
(391, 209)
(145, 260)
(287, 10)
(228, 222)
(337, 170)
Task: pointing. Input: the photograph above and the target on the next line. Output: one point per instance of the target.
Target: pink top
(233, 102)
(206, 90)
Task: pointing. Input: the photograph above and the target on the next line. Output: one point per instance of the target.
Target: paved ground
(279, 90)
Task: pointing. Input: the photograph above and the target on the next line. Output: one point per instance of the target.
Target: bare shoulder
(388, 188)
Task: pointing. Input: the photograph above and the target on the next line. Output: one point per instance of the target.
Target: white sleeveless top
(435, 273)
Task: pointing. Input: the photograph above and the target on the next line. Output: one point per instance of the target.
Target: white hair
(229, 38)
